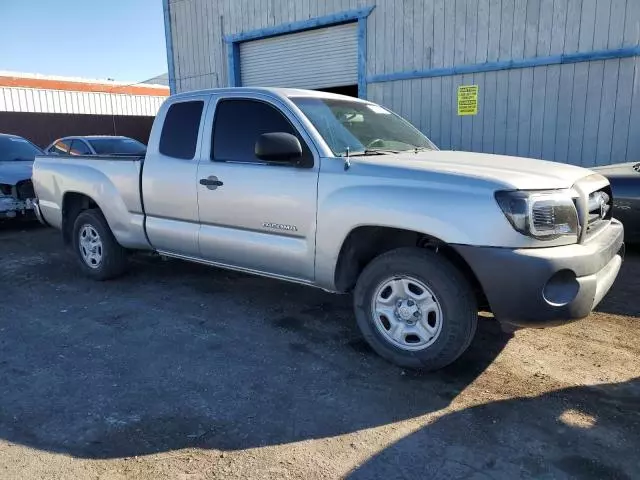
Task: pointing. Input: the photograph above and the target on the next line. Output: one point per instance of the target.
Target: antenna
(347, 162)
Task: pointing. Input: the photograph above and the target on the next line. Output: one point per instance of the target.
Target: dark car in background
(96, 145)
(16, 189)
(625, 186)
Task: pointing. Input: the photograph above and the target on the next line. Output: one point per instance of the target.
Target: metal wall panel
(285, 61)
(585, 113)
(16, 99)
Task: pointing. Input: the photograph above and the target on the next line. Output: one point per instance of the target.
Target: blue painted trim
(168, 39)
(233, 62)
(508, 65)
(362, 58)
(350, 15)
(360, 15)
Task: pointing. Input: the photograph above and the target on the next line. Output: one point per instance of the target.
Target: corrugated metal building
(557, 79)
(43, 108)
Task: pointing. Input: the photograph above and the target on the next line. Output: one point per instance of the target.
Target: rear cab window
(179, 136)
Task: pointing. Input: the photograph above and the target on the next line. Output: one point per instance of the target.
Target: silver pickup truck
(344, 195)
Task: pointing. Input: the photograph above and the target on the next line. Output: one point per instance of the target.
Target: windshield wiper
(377, 151)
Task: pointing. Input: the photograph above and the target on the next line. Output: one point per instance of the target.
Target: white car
(16, 189)
(96, 145)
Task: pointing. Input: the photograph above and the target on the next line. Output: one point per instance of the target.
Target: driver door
(259, 216)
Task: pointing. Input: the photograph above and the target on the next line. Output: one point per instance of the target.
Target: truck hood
(630, 169)
(504, 171)
(13, 172)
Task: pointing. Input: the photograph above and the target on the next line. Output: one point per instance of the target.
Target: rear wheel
(415, 308)
(98, 252)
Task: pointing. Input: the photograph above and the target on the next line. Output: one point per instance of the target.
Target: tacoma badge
(280, 226)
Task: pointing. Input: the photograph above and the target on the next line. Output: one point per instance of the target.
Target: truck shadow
(19, 225)
(172, 356)
(176, 355)
(236, 404)
(589, 432)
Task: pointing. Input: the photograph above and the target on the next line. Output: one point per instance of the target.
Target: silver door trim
(238, 269)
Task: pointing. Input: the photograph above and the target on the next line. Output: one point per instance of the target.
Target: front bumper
(11, 207)
(541, 287)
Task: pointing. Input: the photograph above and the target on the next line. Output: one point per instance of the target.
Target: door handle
(211, 183)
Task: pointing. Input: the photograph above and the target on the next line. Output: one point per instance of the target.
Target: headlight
(544, 215)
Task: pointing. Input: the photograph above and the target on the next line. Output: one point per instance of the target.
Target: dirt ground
(181, 371)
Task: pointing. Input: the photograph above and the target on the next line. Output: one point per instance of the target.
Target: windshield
(360, 127)
(17, 148)
(117, 146)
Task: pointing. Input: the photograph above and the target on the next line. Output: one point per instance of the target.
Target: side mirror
(278, 147)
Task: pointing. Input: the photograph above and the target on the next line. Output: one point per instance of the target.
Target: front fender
(455, 216)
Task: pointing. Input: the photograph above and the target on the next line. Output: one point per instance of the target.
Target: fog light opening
(561, 289)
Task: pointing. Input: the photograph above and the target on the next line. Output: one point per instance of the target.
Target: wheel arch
(73, 203)
(366, 242)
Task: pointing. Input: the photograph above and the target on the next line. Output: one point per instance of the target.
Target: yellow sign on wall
(467, 100)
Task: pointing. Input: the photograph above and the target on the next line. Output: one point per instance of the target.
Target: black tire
(450, 288)
(113, 256)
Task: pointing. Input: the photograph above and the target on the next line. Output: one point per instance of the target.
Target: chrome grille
(588, 190)
(600, 207)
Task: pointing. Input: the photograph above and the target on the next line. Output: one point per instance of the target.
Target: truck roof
(275, 91)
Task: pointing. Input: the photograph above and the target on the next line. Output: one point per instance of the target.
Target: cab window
(179, 136)
(239, 123)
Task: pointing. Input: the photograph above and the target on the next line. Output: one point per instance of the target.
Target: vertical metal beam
(168, 38)
(233, 64)
(362, 57)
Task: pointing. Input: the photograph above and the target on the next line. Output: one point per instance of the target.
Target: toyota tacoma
(344, 195)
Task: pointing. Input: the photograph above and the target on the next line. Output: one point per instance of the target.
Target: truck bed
(112, 181)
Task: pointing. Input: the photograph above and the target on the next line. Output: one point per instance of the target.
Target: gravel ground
(181, 371)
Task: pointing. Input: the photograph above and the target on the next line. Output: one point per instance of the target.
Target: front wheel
(100, 255)
(415, 308)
